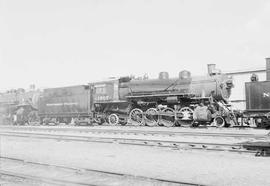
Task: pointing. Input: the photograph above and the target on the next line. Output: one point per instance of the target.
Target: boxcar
(258, 96)
(258, 103)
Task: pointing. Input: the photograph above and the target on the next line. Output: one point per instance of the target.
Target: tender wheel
(167, 117)
(88, 121)
(46, 121)
(100, 121)
(76, 121)
(187, 117)
(113, 119)
(219, 121)
(151, 117)
(136, 117)
(123, 123)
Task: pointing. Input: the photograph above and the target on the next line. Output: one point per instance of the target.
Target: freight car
(257, 93)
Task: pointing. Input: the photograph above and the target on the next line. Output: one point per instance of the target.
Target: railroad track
(172, 144)
(63, 175)
(140, 132)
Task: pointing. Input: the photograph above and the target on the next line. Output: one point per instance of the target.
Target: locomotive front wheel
(187, 113)
(113, 119)
(151, 117)
(219, 121)
(136, 117)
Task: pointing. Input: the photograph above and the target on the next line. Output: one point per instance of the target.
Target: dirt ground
(209, 168)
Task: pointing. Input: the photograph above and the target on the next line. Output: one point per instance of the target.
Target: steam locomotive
(178, 101)
(186, 100)
(18, 105)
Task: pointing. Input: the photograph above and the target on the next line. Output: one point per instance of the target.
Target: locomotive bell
(184, 74)
(163, 75)
(211, 68)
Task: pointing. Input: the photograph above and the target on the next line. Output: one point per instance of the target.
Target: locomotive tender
(61, 105)
(186, 100)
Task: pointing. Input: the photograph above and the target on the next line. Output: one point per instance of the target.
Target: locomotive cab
(109, 101)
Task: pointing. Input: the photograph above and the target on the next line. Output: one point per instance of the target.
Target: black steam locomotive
(185, 100)
(18, 106)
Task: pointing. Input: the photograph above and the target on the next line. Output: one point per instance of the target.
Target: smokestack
(267, 69)
(211, 69)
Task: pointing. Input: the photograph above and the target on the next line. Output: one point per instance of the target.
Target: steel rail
(135, 141)
(42, 179)
(83, 170)
(143, 132)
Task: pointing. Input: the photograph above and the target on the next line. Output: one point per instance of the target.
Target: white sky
(65, 42)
